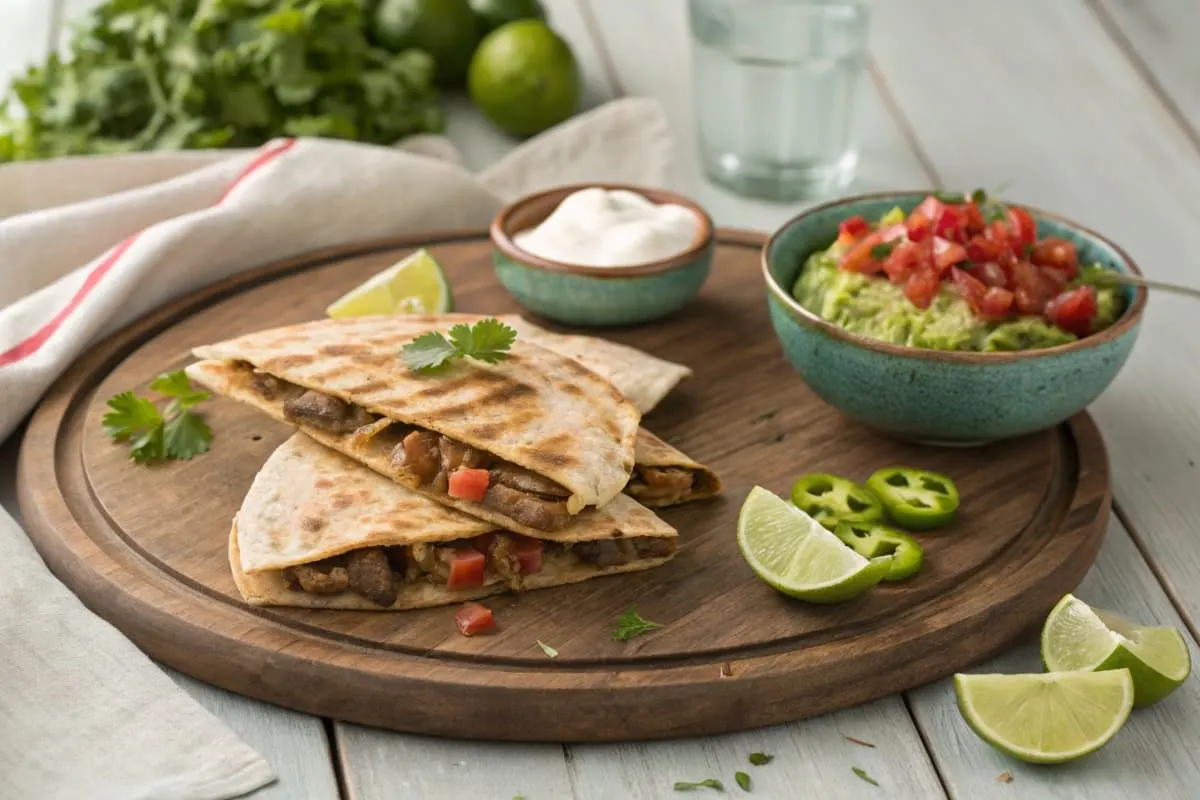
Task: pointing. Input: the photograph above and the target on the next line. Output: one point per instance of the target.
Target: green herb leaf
(129, 415)
(151, 446)
(176, 385)
(979, 197)
(994, 212)
(707, 783)
(547, 649)
(487, 340)
(743, 780)
(862, 773)
(953, 198)
(186, 435)
(631, 625)
(429, 352)
(882, 250)
(759, 759)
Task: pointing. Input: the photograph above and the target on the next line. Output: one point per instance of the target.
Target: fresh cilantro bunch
(487, 340)
(166, 74)
(174, 432)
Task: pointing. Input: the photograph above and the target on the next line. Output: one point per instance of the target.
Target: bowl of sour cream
(603, 254)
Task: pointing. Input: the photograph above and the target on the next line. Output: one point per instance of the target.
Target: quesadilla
(318, 530)
(549, 436)
(663, 476)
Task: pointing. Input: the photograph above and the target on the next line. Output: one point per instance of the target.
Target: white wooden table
(1090, 107)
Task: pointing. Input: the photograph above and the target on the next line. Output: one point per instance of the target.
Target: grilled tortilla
(555, 437)
(318, 530)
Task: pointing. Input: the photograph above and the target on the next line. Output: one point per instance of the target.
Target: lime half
(1046, 719)
(415, 285)
(1078, 637)
(796, 555)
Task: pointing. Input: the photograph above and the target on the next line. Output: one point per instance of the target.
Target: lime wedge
(1046, 719)
(796, 555)
(415, 285)
(1078, 637)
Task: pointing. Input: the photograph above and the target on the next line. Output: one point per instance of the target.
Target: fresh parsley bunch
(173, 432)
(167, 74)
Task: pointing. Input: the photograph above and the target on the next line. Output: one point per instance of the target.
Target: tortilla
(309, 503)
(528, 410)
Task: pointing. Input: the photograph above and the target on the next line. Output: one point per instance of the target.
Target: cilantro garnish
(172, 432)
(743, 780)
(547, 649)
(862, 773)
(630, 625)
(691, 786)
(487, 340)
(759, 759)
(882, 250)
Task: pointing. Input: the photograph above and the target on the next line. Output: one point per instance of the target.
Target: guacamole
(871, 305)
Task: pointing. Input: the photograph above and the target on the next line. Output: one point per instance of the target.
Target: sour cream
(600, 228)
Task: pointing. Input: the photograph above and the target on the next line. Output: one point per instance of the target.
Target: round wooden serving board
(145, 547)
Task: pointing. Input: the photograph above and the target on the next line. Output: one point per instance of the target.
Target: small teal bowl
(598, 296)
(940, 397)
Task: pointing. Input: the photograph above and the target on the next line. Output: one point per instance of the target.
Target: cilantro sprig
(691, 786)
(173, 431)
(630, 625)
(487, 340)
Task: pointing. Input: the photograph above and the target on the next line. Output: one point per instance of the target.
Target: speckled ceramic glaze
(600, 301)
(598, 296)
(935, 396)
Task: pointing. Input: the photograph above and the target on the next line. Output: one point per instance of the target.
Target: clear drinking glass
(775, 91)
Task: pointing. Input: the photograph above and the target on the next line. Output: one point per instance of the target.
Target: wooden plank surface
(1095, 144)
(1154, 751)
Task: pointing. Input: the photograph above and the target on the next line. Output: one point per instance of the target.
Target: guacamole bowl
(947, 397)
(589, 296)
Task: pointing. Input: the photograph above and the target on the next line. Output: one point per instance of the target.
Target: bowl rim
(502, 239)
(1126, 322)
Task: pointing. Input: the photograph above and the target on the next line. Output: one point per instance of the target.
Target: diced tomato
(1026, 301)
(901, 262)
(930, 209)
(466, 570)
(949, 225)
(854, 227)
(1024, 276)
(1051, 281)
(990, 274)
(997, 302)
(529, 554)
(473, 618)
(860, 258)
(980, 249)
(921, 288)
(971, 288)
(1057, 254)
(974, 222)
(1074, 310)
(917, 229)
(469, 484)
(946, 253)
(1022, 229)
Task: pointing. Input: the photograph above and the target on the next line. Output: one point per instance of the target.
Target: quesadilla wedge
(663, 475)
(540, 437)
(318, 530)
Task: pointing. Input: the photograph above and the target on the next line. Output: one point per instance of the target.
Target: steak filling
(376, 573)
(661, 485)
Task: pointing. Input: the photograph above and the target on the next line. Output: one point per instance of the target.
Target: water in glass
(774, 93)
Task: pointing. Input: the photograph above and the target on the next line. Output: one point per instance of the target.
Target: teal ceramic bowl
(598, 296)
(938, 397)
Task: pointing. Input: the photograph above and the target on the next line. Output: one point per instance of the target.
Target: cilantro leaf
(176, 385)
(862, 773)
(429, 352)
(743, 780)
(759, 759)
(691, 786)
(487, 340)
(547, 649)
(882, 250)
(186, 435)
(129, 415)
(630, 625)
(151, 446)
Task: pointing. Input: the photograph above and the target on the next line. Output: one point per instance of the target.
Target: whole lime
(494, 13)
(448, 30)
(524, 78)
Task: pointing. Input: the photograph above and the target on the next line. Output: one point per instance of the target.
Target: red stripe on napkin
(33, 343)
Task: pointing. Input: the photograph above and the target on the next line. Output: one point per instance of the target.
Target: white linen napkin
(88, 245)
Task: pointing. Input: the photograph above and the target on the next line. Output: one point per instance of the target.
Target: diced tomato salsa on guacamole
(966, 273)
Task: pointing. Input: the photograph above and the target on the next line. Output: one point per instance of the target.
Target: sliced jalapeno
(915, 499)
(829, 500)
(881, 543)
